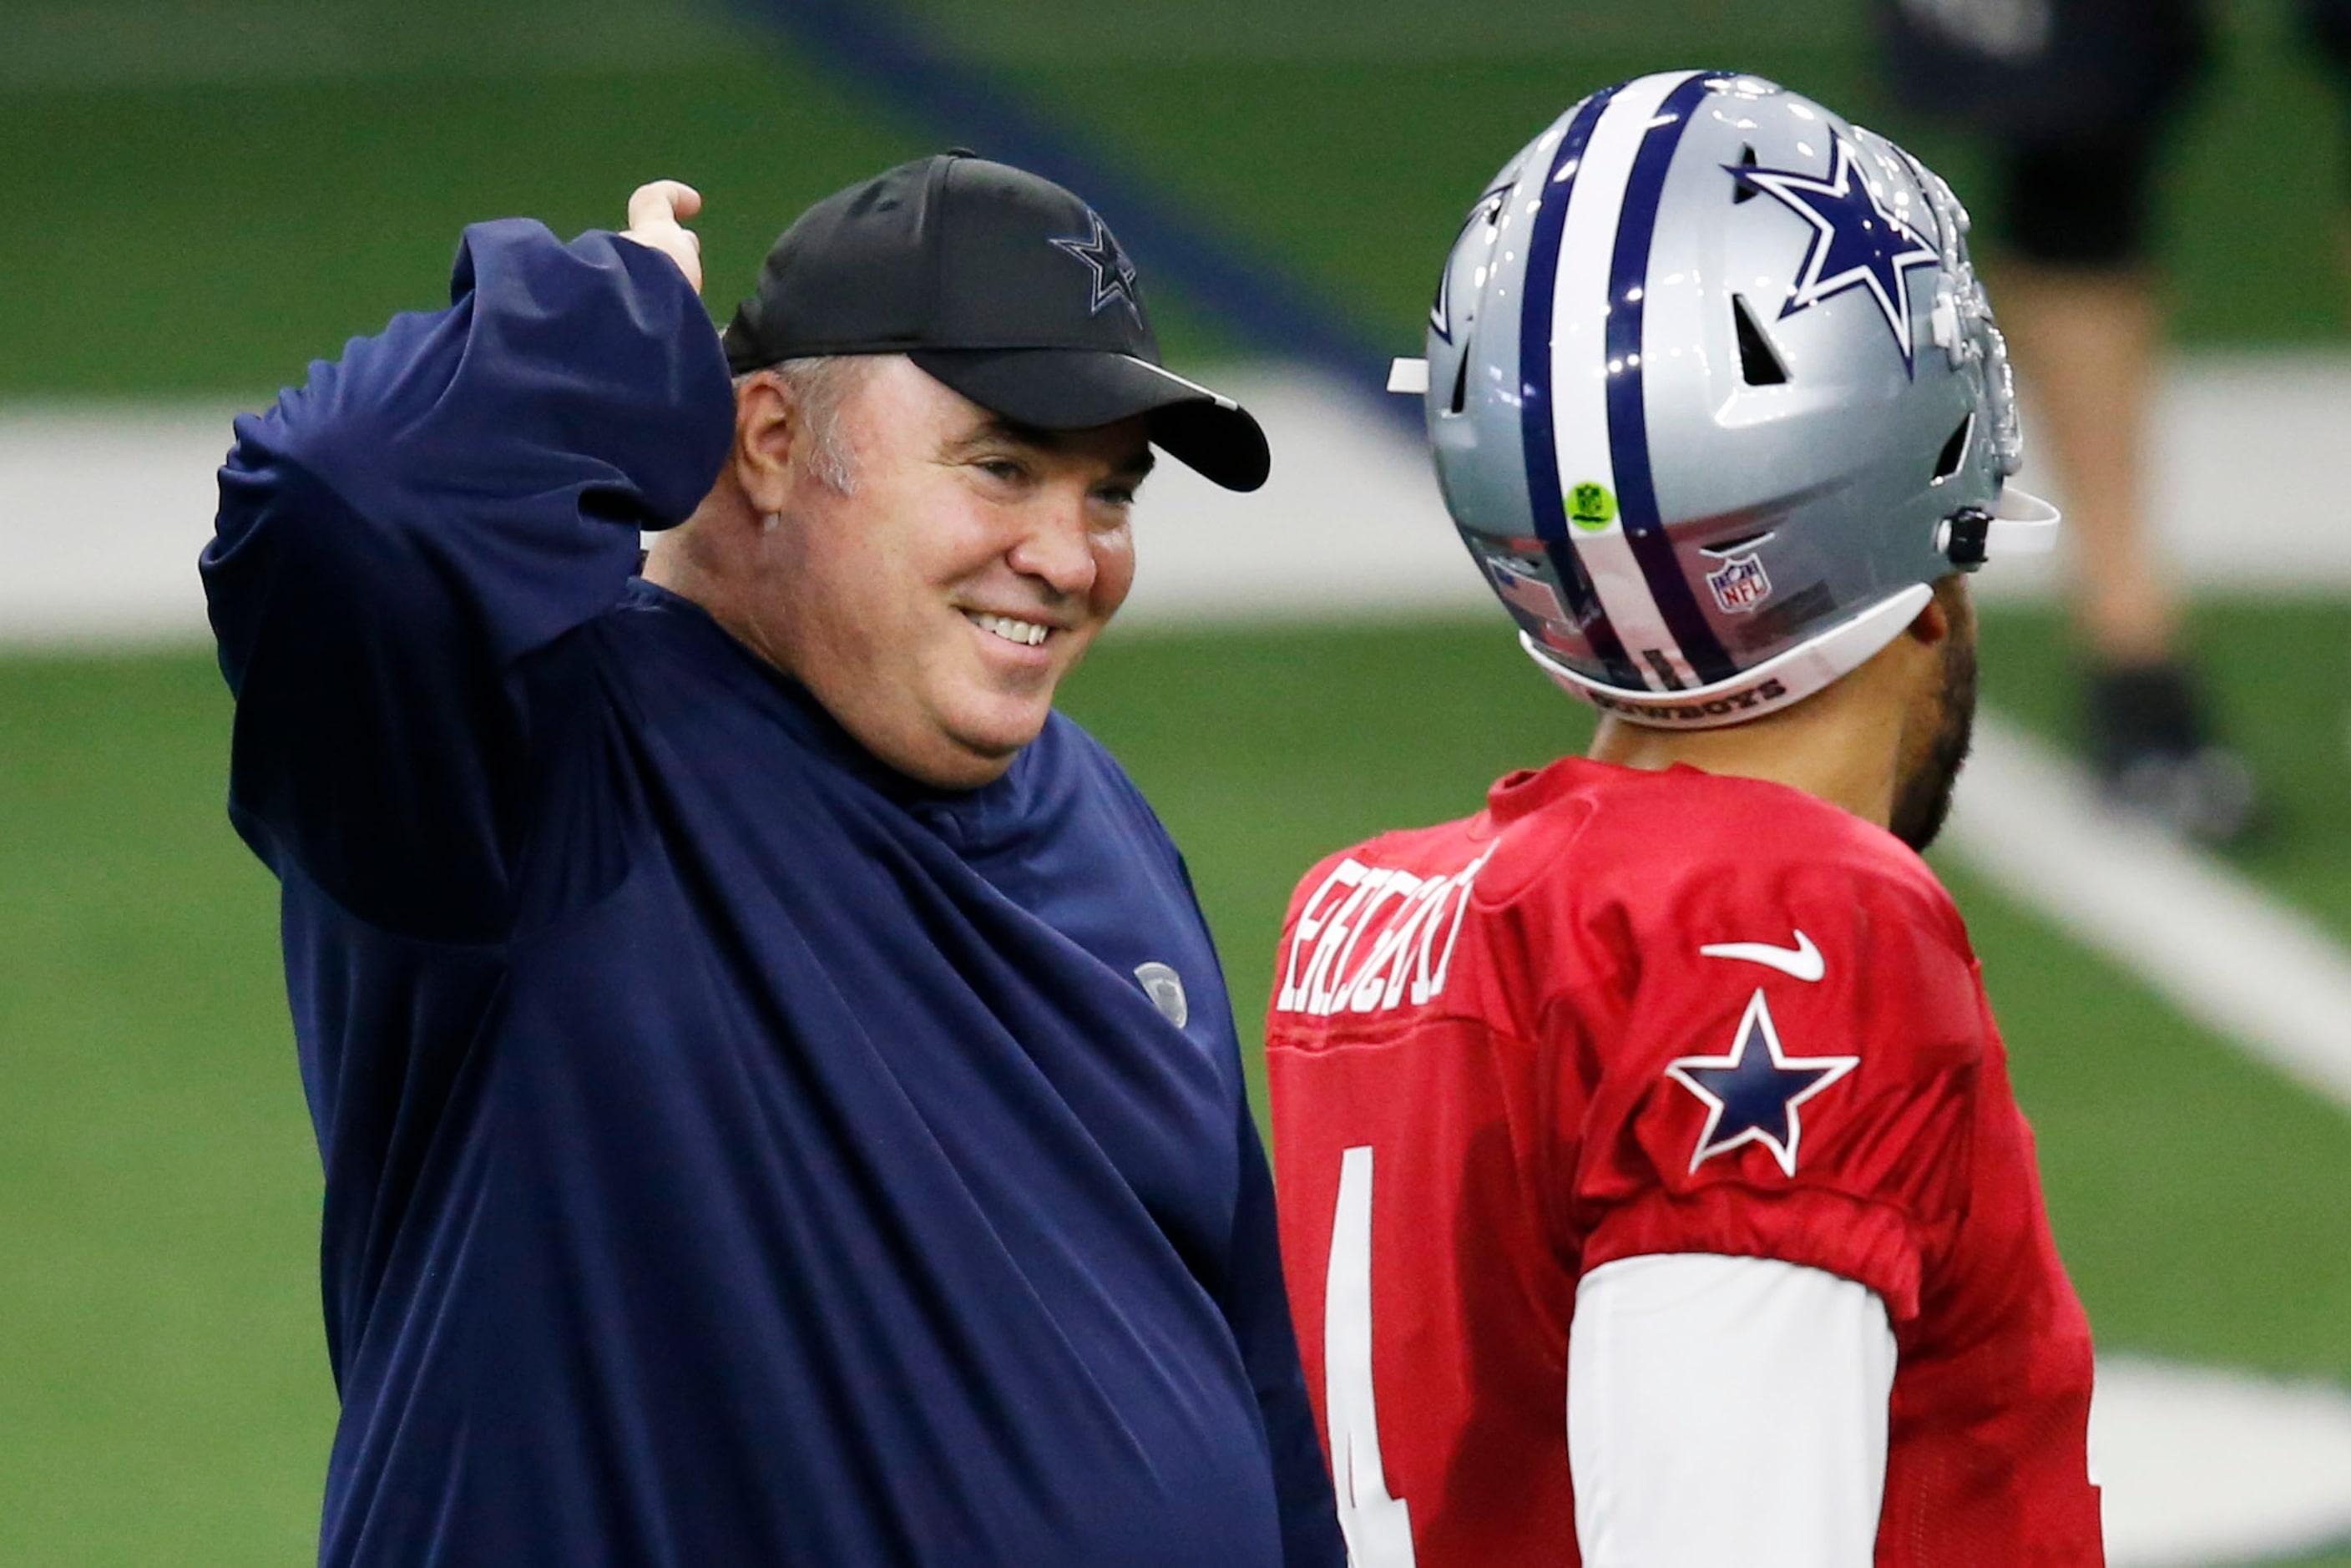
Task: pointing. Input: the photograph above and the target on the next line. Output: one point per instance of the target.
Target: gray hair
(820, 388)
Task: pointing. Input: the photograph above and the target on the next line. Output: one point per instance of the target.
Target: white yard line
(2210, 942)
(2200, 1466)
(102, 510)
(102, 506)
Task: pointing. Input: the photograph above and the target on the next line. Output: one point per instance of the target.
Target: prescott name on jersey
(1621, 1014)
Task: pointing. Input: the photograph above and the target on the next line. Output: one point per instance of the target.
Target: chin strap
(2020, 524)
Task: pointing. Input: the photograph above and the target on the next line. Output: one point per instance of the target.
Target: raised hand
(656, 211)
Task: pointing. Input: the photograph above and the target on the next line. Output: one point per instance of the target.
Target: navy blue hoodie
(734, 1151)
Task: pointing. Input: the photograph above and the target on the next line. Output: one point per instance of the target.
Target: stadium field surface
(217, 207)
(210, 196)
(169, 1392)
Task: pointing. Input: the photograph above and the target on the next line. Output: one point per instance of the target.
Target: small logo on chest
(1165, 986)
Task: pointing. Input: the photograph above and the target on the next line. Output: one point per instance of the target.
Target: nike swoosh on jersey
(1803, 962)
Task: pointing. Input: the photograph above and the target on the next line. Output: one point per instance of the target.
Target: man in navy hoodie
(777, 1098)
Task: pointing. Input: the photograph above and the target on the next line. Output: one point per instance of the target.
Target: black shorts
(2327, 25)
(2043, 71)
(2074, 95)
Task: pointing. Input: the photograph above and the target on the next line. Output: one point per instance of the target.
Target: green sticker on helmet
(1591, 507)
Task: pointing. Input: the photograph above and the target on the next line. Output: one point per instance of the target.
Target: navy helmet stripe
(1543, 497)
(1628, 420)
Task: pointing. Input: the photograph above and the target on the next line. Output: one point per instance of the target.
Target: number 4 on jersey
(1379, 1527)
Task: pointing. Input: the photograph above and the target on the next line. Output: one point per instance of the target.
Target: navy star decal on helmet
(1670, 421)
(1859, 241)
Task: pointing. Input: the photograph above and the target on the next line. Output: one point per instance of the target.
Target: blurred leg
(2086, 339)
(2080, 300)
(2075, 96)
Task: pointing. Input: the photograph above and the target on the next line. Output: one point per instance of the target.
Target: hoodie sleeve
(395, 534)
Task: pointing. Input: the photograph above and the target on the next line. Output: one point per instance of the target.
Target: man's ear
(767, 421)
(1932, 625)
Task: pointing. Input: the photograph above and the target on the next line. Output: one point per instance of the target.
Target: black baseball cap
(1001, 284)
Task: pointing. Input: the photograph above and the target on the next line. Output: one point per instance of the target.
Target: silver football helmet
(1715, 397)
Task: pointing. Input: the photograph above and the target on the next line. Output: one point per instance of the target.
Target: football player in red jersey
(1652, 1187)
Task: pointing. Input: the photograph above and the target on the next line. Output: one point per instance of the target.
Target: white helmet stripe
(1579, 380)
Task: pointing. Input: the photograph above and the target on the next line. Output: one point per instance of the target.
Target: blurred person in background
(1663, 1092)
(2078, 100)
(777, 1099)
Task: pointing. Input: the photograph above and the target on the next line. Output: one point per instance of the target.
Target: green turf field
(2282, 671)
(167, 1393)
(204, 196)
(210, 231)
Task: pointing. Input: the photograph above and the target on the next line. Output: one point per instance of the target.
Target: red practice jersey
(1619, 1013)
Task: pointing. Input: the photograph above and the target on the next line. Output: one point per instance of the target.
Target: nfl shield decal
(1740, 585)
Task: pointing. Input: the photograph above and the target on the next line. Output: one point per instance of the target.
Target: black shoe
(2157, 758)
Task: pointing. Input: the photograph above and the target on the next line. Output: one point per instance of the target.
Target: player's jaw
(1930, 768)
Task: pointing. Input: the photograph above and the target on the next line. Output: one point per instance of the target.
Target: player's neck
(1842, 746)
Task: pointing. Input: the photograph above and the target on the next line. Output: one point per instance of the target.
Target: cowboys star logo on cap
(1857, 241)
(1752, 1095)
(972, 269)
(1115, 276)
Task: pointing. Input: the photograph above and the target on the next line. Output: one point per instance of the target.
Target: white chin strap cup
(1409, 377)
(2021, 523)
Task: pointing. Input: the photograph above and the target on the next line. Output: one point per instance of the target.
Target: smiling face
(935, 605)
